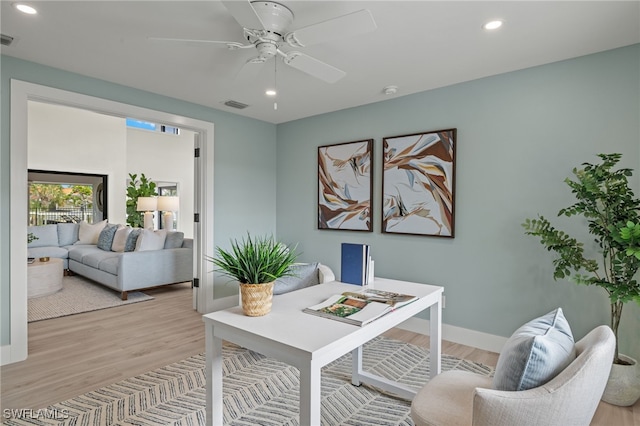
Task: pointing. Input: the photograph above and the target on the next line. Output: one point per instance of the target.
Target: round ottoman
(44, 278)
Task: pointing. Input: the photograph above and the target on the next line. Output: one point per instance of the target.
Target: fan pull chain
(275, 82)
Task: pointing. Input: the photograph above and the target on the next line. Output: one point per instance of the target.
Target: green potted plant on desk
(610, 208)
(255, 263)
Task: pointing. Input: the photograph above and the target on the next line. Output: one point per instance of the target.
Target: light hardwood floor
(73, 355)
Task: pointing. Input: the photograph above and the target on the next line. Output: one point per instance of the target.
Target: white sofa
(120, 271)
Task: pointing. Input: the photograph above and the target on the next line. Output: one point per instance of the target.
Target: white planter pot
(623, 387)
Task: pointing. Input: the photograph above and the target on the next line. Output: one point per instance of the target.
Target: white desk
(309, 342)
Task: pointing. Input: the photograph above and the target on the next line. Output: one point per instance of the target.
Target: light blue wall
(519, 136)
(244, 159)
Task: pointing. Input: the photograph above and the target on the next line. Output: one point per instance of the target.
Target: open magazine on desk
(360, 307)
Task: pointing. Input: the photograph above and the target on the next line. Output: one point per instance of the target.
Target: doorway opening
(15, 306)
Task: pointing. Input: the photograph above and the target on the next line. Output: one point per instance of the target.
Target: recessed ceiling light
(270, 92)
(25, 8)
(493, 25)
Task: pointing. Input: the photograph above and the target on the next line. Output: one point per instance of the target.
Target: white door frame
(21, 93)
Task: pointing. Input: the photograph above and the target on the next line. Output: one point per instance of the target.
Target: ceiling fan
(265, 26)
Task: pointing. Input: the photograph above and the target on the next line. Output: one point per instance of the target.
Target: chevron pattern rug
(257, 391)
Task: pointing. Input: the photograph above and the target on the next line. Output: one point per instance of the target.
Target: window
(152, 127)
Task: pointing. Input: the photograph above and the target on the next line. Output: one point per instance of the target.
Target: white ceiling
(418, 45)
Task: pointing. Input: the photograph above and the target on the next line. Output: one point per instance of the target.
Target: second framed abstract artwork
(345, 180)
(418, 183)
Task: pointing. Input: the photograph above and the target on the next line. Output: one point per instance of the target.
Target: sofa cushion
(120, 239)
(535, 353)
(47, 236)
(88, 233)
(174, 240)
(97, 257)
(132, 239)
(105, 239)
(78, 252)
(304, 275)
(51, 251)
(151, 240)
(110, 264)
(67, 233)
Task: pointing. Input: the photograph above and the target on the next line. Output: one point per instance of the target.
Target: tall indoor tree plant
(255, 262)
(138, 188)
(610, 208)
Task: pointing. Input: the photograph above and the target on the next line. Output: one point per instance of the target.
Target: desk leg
(356, 366)
(435, 336)
(214, 377)
(310, 395)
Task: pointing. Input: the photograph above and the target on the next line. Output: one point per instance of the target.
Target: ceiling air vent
(235, 104)
(6, 40)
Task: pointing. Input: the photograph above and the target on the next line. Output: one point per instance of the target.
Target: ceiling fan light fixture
(25, 8)
(270, 92)
(493, 25)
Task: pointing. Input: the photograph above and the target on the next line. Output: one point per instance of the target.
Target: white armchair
(325, 274)
(571, 398)
(304, 275)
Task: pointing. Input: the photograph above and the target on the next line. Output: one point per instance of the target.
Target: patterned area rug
(78, 295)
(257, 391)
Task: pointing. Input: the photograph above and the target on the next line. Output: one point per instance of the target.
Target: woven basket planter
(256, 298)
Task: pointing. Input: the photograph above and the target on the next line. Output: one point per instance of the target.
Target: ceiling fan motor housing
(274, 16)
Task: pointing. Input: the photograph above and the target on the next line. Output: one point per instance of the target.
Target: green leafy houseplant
(256, 260)
(605, 200)
(31, 237)
(138, 188)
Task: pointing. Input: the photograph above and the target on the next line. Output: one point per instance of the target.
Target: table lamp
(168, 205)
(147, 205)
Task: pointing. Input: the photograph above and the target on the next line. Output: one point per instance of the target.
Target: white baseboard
(5, 355)
(464, 336)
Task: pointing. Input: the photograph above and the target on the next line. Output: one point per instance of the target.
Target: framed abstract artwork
(345, 181)
(418, 183)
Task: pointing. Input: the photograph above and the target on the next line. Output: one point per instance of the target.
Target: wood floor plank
(73, 355)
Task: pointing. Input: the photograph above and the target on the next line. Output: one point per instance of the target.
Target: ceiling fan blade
(228, 44)
(313, 67)
(244, 13)
(249, 71)
(352, 24)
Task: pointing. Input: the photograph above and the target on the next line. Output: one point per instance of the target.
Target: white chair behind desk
(570, 398)
(304, 275)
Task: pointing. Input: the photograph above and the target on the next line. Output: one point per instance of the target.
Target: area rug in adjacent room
(78, 295)
(257, 391)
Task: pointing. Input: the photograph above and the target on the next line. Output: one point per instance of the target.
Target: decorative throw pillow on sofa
(151, 240)
(67, 233)
(304, 275)
(174, 240)
(47, 235)
(120, 239)
(132, 239)
(105, 239)
(535, 353)
(88, 234)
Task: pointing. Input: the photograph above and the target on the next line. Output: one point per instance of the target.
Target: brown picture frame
(345, 186)
(418, 183)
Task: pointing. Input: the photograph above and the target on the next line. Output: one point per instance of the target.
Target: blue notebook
(354, 263)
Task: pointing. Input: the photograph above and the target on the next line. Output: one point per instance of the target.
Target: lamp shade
(168, 204)
(146, 204)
